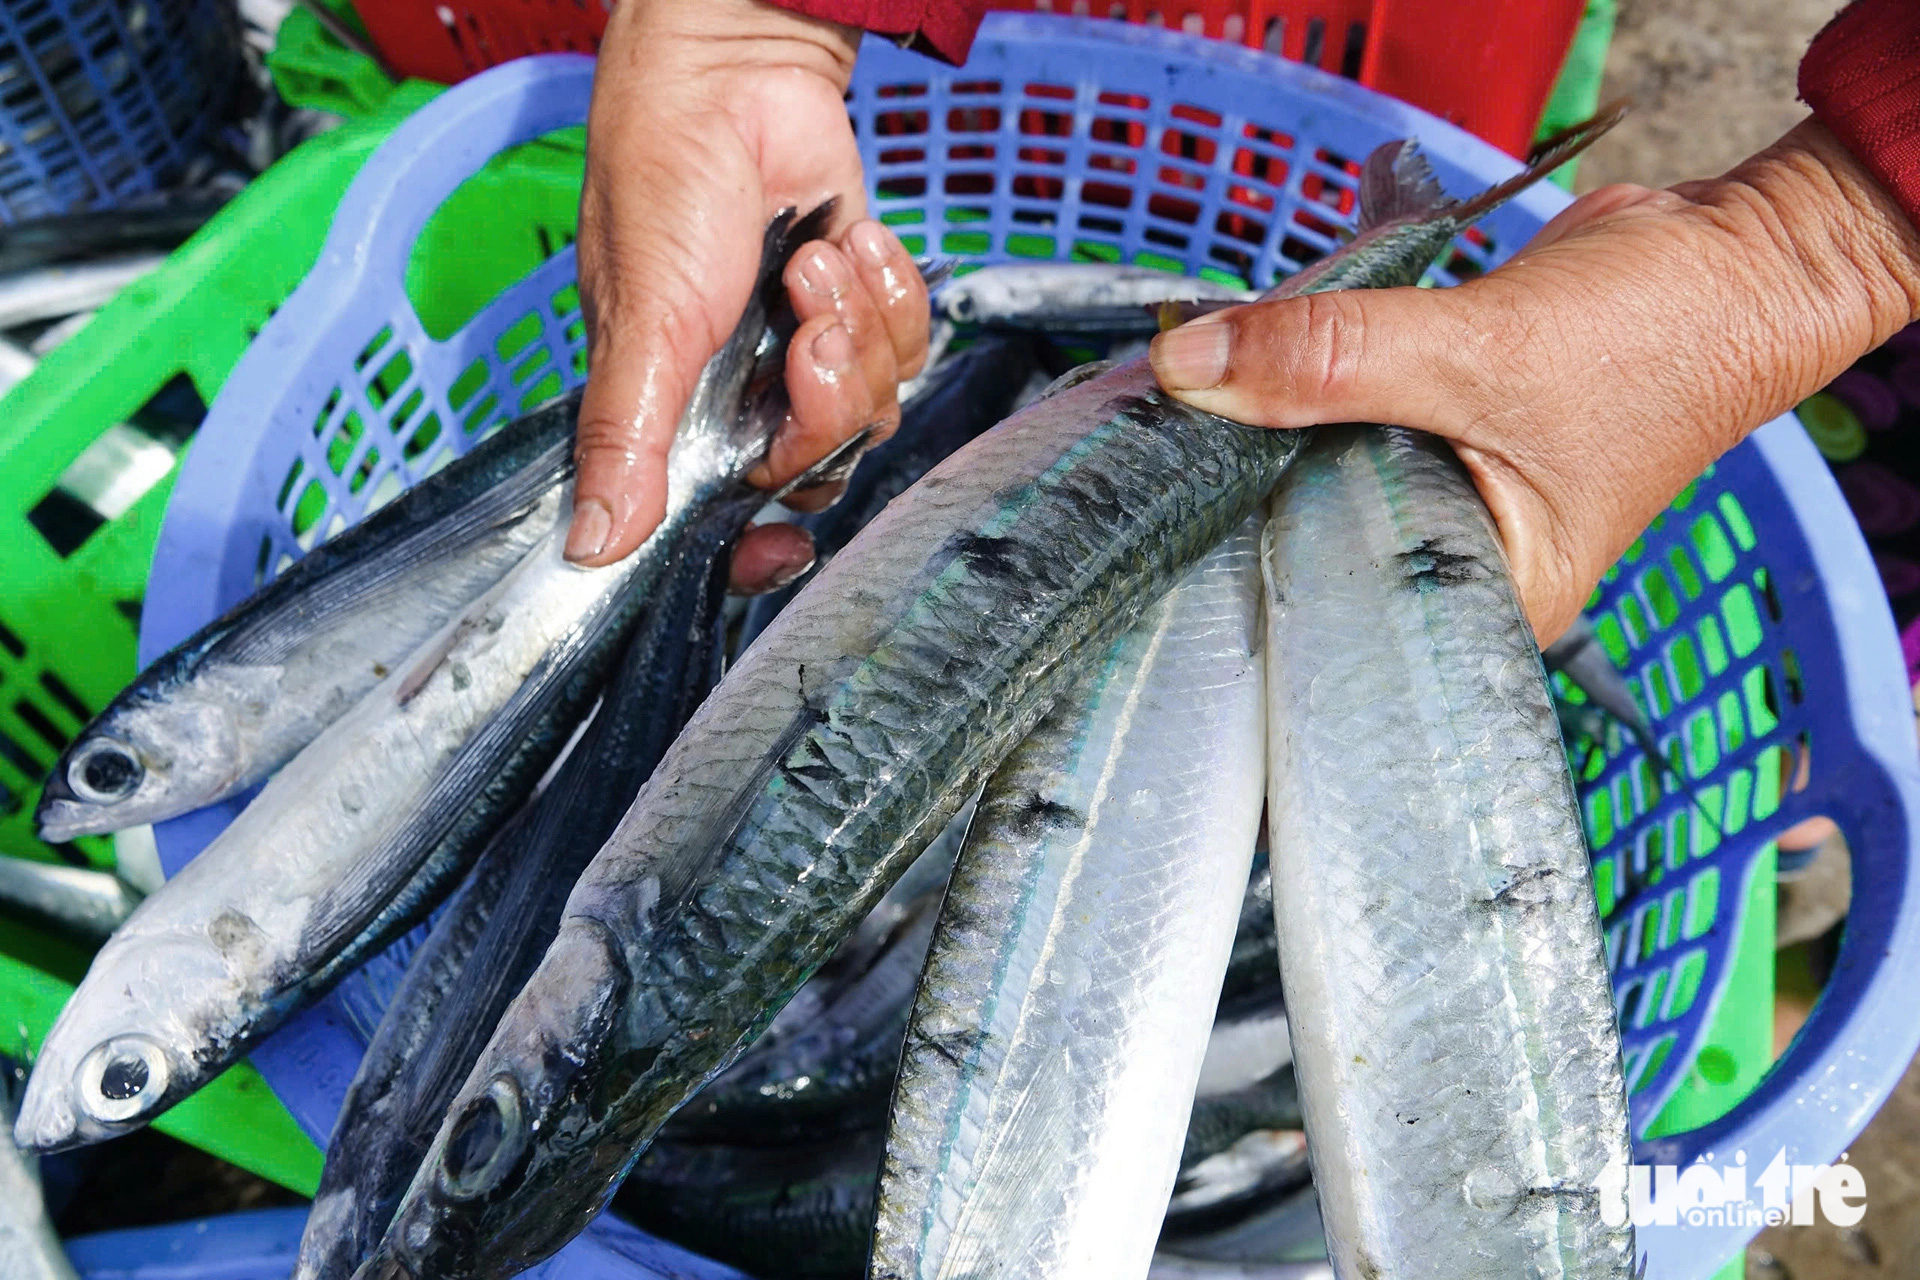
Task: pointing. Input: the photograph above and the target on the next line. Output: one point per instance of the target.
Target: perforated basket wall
(101, 100)
(1093, 141)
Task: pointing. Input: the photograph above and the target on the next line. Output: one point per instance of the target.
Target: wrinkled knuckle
(1321, 346)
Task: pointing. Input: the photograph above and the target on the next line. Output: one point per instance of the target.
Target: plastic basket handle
(441, 146)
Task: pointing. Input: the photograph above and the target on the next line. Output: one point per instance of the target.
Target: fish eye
(123, 1079)
(486, 1140)
(104, 772)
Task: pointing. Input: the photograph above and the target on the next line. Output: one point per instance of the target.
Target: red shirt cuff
(1862, 79)
(943, 28)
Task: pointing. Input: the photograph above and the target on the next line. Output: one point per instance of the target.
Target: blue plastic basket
(1070, 138)
(102, 100)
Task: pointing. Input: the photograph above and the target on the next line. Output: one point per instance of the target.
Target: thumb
(1407, 357)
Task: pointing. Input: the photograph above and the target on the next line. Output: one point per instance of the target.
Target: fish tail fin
(1547, 156)
(837, 465)
(1397, 182)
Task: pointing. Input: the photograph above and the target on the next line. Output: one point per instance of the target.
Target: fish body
(91, 904)
(226, 707)
(29, 1247)
(959, 399)
(843, 740)
(350, 842)
(1451, 1016)
(1283, 1229)
(490, 937)
(833, 751)
(1253, 967)
(1072, 297)
(1097, 891)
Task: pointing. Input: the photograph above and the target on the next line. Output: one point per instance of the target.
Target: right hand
(1586, 382)
(709, 117)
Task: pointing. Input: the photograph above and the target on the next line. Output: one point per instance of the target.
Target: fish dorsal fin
(1544, 159)
(1397, 182)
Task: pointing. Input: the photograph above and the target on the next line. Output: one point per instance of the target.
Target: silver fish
(846, 736)
(1096, 894)
(89, 903)
(29, 1248)
(322, 865)
(1072, 297)
(1452, 1019)
(1284, 1228)
(488, 940)
(48, 292)
(1168, 1266)
(223, 709)
(844, 739)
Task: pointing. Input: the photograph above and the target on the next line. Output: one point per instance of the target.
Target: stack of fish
(896, 948)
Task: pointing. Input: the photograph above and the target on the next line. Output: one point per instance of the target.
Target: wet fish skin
(491, 936)
(960, 398)
(1072, 297)
(1452, 1019)
(780, 1213)
(1097, 891)
(29, 1247)
(253, 926)
(233, 702)
(91, 904)
(1219, 1120)
(844, 738)
(1285, 1226)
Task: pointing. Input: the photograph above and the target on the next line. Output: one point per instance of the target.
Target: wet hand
(1640, 335)
(709, 117)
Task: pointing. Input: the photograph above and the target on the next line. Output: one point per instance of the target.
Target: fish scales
(1097, 892)
(841, 743)
(1440, 945)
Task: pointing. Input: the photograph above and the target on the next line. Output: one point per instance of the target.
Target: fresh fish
(847, 735)
(1097, 891)
(1577, 655)
(346, 846)
(836, 1045)
(1220, 1189)
(226, 707)
(47, 293)
(961, 398)
(1072, 297)
(1451, 1016)
(1253, 967)
(29, 1248)
(491, 936)
(91, 904)
(1168, 1266)
(1282, 1230)
(1218, 1120)
(40, 242)
(779, 1213)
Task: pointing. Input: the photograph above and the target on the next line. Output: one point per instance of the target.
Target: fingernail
(820, 274)
(870, 242)
(833, 349)
(783, 576)
(1192, 357)
(592, 524)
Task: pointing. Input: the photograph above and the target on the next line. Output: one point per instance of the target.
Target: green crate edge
(195, 316)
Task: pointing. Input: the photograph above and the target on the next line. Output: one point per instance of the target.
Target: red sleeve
(941, 27)
(1862, 79)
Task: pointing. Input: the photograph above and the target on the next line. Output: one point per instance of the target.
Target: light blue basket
(1071, 138)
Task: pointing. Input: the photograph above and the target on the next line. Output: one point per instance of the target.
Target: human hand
(708, 118)
(1639, 336)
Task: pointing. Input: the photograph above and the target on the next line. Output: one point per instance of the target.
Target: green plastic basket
(72, 577)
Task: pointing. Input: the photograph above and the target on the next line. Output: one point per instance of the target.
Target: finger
(831, 401)
(661, 281)
(821, 280)
(1400, 356)
(894, 283)
(769, 557)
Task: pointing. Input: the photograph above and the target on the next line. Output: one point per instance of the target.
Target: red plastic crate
(1487, 66)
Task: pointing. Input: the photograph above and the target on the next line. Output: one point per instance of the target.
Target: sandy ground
(1713, 82)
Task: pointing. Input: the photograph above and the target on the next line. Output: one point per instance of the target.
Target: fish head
(522, 1163)
(145, 759)
(121, 1052)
